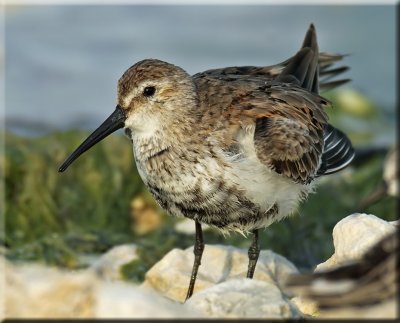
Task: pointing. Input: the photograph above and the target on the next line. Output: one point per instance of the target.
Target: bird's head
(152, 95)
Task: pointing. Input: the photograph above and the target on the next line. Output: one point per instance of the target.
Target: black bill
(114, 122)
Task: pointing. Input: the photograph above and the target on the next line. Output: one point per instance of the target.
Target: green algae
(92, 195)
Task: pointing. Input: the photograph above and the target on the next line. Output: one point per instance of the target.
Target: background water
(63, 62)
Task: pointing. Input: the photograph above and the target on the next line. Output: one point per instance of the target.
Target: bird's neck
(161, 135)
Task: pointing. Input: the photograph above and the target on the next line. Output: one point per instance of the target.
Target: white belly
(265, 187)
(224, 194)
(259, 183)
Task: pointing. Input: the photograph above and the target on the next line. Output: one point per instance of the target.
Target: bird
(357, 285)
(236, 148)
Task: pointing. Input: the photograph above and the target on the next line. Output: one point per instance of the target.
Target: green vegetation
(56, 218)
(47, 213)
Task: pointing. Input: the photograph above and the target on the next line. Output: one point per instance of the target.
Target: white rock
(36, 291)
(171, 275)
(243, 298)
(391, 173)
(2, 288)
(354, 235)
(121, 300)
(108, 266)
(395, 223)
(306, 306)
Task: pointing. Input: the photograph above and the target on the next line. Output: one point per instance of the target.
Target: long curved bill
(114, 122)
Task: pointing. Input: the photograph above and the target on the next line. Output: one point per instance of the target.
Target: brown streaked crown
(149, 70)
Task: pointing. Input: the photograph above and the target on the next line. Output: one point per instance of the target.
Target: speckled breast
(186, 185)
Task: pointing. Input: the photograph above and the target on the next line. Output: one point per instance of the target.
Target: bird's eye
(149, 91)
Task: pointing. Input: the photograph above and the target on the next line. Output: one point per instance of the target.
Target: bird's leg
(254, 252)
(198, 252)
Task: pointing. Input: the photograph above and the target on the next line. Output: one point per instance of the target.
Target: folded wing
(296, 139)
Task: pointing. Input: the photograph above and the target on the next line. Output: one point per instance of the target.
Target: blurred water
(63, 62)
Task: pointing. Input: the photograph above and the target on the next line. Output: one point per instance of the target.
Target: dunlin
(236, 148)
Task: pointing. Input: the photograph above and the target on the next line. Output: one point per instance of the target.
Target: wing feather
(291, 131)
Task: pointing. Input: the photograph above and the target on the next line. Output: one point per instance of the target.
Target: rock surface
(171, 275)
(121, 300)
(391, 172)
(353, 294)
(354, 235)
(243, 298)
(36, 291)
(222, 291)
(109, 264)
(305, 306)
(2, 287)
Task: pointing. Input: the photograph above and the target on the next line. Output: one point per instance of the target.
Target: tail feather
(325, 86)
(338, 151)
(327, 59)
(303, 67)
(324, 67)
(313, 72)
(327, 74)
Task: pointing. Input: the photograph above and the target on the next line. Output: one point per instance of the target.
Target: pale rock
(243, 298)
(353, 236)
(108, 266)
(2, 288)
(305, 306)
(171, 275)
(36, 291)
(395, 223)
(119, 300)
(222, 291)
(391, 173)
(33, 291)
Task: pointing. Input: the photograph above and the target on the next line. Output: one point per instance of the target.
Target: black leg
(254, 252)
(198, 252)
